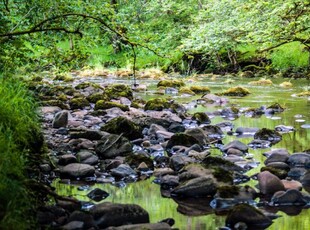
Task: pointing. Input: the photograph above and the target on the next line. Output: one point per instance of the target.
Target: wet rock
(289, 197)
(89, 134)
(157, 104)
(277, 155)
(78, 103)
(198, 134)
(299, 160)
(154, 128)
(181, 139)
(212, 98)
(274, 108)
(235, 145)
(197, 187)
(171, 83)
(159, 172)
(217, 162)
(122, 125)
(48, 214)
(122, 171)
(259, 144)
(305, 179)
(169, 181)
(280, 173)
(73, 225)
(201, 118)
(246, 131)
(156, 226)
(171, 90)
(269, 183)
(69, 204)
(190, 206)
(279, 165)
(87, 157)
(233, 151)
(297, 172)
(112, 146)
(97, 194)
(177, 162)
(268, 135)
(176, 127)
(231, 112)
(85, 217)
(76, 170)
(284, 129)
(252, 217)
(66, 159)
(292, 184)
(112, 214)
(135, 160)
(60, 119)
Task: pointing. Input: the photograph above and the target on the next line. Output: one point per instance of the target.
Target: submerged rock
(76, 170)
(97, 194)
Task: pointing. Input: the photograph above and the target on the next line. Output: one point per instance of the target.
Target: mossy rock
(69, 91)
(261, 82)
(135, 160)
(228, 191)
(181, 139)
(118, 90)
(58, 103)
(276, 107)
(93, 98)
(102, 104)
(157, 104)
(201, 118)
(236, 91)
(171, 83)
(282, 174)
(83, 85)
(122, 125)
(267, 134)
(63, 97)
(303, 94)
(214, 162)
(200, 89)
(186, 90)
(63, 77)
(222, 175)
(78, 103)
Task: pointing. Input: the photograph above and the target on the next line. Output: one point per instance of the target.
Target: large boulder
(115, 91)
(76, 170)
(250, 216)
(157, 104)
(289, 197)
(112, 145)
(269, 183)
(112, 214)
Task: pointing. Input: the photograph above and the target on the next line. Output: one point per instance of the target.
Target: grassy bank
(18, 124)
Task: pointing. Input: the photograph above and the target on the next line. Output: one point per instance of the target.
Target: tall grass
(18, 123)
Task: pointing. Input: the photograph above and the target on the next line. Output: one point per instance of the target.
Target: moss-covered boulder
(157, 104)
(200, 89)
(83, 85)
(93, 98)
(236, 91)
(118, 90)
(303, 94)
(63, 77)
(276, 107)
(186, 90)
(78, 103)
(171, 83)
(201, 118)
(261, 82)
(249, 215)
(268, 135)
(215, 162)
(57, 103)
(122, 125)
(102, 104)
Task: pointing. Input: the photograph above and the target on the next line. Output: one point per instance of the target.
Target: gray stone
(236, 145)
(60, 119)
(87, 157)
(123, 170)
(77, 170)
(66, 159)
(299, 159)
(112, 214)
(198, 134)
(289, 197)
(269, 183)
(73, 225)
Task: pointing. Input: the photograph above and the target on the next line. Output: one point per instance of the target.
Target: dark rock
(233, 151)
(97, 195)
(210, 162)
(78, 103)
(135, 160)
(249, 215)
(201, 118)
(85, 217)
(73, 225)
(269, 183)
(246, 131)
(198, 134)
(171, 83)
(197, 187)
(284, 129)
(280, 155)
(299, 159)
(181, 139)
(281, 151)
(122, 125)
(112, 145)
(280, 173)
(275, 108)
(259, 144)
(89, 134)
(156, 226)
(193, 206)
(87, 157)
(66, 159)
(111, 214)
(268, 135)
(297, 172)
(177, 162)
(176, 127)
(169, 181)
(77, 170)
(235, 145)
(279, 165)
(69, 204)
(122, 171)
(60, 119)
(289, 197)
(305, 179)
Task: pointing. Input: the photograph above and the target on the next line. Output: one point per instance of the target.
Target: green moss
(266, 134)
(62, 97)
(303, 94)
(63, 77)
(171, 83)
(282, 174)
(83, 85)
(78, 103)
(222, 175)
(201, 117)
(157, 104)
(261, 82)
(102, 104)
(200, 89)
(119, 90)
(276, 106)
(58, 103)
(236, 91)
(228, 191)
(93, 98)
(122, 125)
(186, 90)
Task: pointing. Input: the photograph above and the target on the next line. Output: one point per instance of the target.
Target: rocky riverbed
(104, 133)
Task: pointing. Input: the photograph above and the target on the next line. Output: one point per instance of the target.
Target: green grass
(18, 123)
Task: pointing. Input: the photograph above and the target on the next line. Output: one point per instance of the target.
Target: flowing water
(147, 194)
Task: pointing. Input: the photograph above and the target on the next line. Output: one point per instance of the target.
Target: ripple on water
(300, 120)
(305, 126)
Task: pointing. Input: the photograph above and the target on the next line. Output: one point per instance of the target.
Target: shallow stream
(147, 194)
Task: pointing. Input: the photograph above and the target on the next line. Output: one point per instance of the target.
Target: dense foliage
(195, 34)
